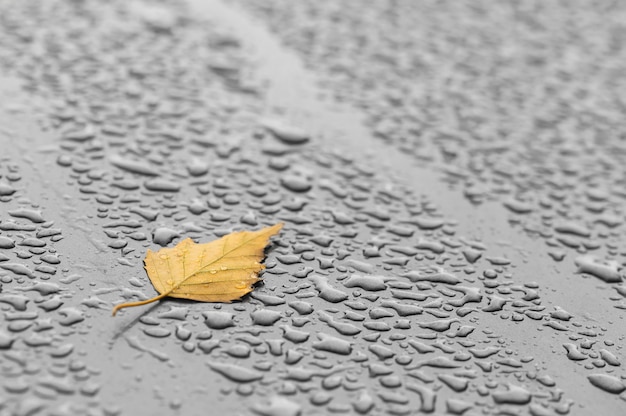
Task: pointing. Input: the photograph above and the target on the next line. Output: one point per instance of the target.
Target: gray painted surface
(434, 259)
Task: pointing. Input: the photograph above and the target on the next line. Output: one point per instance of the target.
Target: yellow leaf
(220, 271)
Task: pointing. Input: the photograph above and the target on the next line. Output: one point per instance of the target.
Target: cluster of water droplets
(372, 302)
(507, 101)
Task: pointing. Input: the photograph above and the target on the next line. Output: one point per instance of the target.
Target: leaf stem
(138, 303)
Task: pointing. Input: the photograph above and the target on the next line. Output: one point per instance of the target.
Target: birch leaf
(219, 271)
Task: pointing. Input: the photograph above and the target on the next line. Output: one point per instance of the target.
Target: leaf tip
(274, 229)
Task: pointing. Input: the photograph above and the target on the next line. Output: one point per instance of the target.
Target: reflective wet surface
(450, 176)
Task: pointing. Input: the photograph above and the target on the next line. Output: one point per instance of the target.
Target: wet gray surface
(450, 176)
